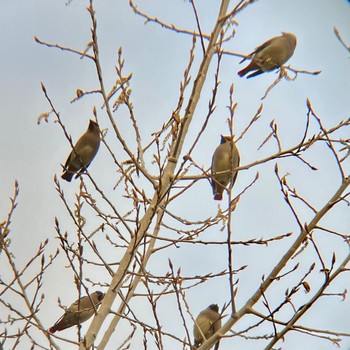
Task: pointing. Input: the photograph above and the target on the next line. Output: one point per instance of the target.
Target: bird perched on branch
(79, 312)
(83, 153)
(207, 323)
(225, 159)
(270, 55)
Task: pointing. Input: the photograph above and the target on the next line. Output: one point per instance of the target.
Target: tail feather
(257, 72)
(251, 66)
(67, 175)
(218, 190)
(59, 326)
(243, 72)
(218, 196)
(52, 330)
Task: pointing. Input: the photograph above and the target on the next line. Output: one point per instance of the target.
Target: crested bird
(83, 152)
(80, 311)
(270, 55)
(207, 323)
(225, 159)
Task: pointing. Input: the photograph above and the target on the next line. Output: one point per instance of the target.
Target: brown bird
(79, 312)
(83, 153)
(208, 321)
(270, 55)
(225, 158)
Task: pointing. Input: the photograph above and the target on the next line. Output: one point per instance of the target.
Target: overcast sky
(32, 153)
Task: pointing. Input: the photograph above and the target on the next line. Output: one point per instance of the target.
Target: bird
(80, 311)
(225, 158)
(207, 323)
(270, 55)
(83, 152)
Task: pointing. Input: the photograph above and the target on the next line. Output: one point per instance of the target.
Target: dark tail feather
(258, 72)
(217, 191)
(243, 72)
(218, 196)
(67, 175)
(59, 326)
(52, 330)
(251, 66)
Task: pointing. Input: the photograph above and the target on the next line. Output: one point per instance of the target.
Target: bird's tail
(60, 325)
(218, 196)
(218, 190)
(251, 66)
(67, 175)
(53, 329)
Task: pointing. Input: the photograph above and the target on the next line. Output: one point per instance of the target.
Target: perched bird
(83, 153)
(208, 321)
(225, 158)
(270, 55)
(78, 312)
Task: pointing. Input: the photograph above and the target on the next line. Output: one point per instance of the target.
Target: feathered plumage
(208, 321)
(79, 312)
(83, 153)
(225, 158)
(270, 55)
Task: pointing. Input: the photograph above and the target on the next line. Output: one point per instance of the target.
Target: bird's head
(225, 138)
(100, 295)
(93, 125)
(291, 37)
(214, 307)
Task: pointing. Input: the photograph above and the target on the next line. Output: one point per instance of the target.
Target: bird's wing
(68, 160)
(262, 46)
